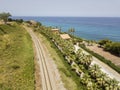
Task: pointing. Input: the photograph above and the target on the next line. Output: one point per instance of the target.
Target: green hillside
(16, 59)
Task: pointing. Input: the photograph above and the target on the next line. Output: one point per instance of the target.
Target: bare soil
(38, 85)
(114, 59)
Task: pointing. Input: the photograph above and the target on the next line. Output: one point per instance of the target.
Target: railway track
(45, 76)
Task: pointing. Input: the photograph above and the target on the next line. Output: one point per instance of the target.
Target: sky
(85, 8)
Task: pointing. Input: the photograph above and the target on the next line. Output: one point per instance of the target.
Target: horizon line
(68, 16)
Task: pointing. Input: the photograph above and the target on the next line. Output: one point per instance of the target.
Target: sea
(91, 28)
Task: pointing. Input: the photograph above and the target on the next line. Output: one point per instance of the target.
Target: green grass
(69, 77)
(16, 59)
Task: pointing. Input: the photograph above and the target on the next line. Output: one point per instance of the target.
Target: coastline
(92, 28)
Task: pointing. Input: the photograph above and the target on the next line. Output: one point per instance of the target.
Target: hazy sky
(101, 8)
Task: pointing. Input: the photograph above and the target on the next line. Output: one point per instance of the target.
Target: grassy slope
(16, 59)
(70, 79)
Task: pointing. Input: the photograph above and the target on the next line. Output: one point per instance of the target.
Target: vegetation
(16, 58)
(113, 47)
(19, 21)
(71, 31)
(108, 62)
(104, 41)
(90, 76)
(4, 16)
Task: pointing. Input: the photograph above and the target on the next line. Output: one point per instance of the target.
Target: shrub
(15, 66)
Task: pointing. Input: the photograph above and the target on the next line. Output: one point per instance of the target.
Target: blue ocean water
(92, 28)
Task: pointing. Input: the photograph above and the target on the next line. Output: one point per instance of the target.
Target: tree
(39, 24)
(19, 20)
(4, 16)
(95, 71)
(102, 80)
(71, 30)
(83, 59)
(86, 80)
(88, 60)
(104, 41)
(113, 47)
(71, 58)
(112, 85)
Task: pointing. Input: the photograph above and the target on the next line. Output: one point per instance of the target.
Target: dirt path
(50, 77)
(107, 55)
